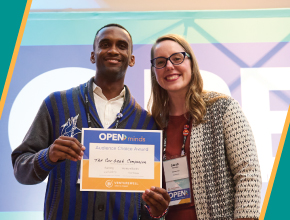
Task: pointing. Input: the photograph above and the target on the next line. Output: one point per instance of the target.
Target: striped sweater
(63, 113)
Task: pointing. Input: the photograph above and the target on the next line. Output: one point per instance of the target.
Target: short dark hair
(114, 25)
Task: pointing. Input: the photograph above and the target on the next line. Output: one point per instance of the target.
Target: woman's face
(173, 78)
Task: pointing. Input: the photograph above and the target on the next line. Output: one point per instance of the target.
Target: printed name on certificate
(121, 160)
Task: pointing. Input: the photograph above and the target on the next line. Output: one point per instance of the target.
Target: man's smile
(113, 60)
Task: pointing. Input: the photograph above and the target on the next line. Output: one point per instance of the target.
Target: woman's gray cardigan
(226, 177)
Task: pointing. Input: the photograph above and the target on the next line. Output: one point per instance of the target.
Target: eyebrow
(118, 41)
(105, 39)
(122, 41)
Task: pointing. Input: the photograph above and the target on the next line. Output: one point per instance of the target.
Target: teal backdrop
(11, 17)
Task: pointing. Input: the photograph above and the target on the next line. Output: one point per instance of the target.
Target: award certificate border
(130, 136)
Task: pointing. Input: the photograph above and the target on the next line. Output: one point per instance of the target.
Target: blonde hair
(159, 100)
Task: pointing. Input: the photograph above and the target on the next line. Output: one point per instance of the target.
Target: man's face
(112, 53)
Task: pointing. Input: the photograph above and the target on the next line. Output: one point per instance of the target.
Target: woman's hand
(158, 199)
(245, 219)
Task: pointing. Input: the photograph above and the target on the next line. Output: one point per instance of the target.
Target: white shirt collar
(98, 91)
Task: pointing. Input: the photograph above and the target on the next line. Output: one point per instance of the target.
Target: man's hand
(158, 200)
(66, 148)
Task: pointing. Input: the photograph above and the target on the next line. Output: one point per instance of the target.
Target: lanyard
(118, 116)
(185, 134)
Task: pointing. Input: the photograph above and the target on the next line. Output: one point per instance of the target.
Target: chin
(115, 74)
(177, 89)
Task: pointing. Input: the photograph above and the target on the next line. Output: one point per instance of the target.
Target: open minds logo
(112, 136)
(119, 137)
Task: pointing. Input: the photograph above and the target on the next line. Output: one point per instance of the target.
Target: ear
(132, 61)
(92, 59)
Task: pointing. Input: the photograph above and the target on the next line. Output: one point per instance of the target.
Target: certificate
(121, 160)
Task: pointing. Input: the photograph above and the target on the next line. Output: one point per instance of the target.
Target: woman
(221, 152)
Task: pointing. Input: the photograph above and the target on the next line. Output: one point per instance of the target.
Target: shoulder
(144, 118)
(60, 101)
(58, 95)
(131, 103)
(212, 98)
(218, 103)
(141, 110)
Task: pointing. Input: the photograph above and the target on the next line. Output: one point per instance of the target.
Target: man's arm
(30, 159)
(39, 153)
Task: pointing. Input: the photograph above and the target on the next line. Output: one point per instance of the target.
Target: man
(52, 145)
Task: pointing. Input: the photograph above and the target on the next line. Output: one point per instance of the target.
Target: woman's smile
(172, 77)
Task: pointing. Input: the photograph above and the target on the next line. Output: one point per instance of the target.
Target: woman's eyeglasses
(175, 59)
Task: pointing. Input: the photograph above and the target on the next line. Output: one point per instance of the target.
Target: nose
(113, 49)
(169, 65)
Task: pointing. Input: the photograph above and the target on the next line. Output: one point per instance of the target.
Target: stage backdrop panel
(244, 54)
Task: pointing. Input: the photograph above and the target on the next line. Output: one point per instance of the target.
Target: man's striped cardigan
(63, 113)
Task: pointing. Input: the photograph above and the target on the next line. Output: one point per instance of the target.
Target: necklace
(185, 133)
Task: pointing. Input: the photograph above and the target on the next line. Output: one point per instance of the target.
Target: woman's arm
(243, 161)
